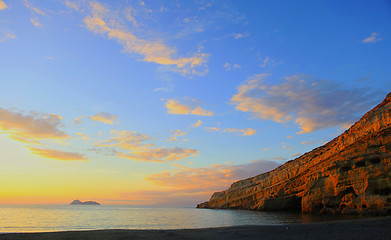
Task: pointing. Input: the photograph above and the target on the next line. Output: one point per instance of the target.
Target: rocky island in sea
(78, 202)
(349, 175)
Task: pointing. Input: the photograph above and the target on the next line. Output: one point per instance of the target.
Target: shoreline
(366, 228)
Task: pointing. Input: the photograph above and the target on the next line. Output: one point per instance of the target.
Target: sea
(49, 218)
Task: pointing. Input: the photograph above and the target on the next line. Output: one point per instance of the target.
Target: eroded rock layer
(349, 175)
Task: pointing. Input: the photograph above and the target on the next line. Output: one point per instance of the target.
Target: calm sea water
(43, 218)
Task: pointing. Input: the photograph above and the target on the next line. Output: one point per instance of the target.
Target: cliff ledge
(349, 175)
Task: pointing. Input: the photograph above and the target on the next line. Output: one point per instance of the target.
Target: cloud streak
(160, 154)
(373, 38)
(57, 155)
(197, 124)
(213, 178)
(103, 22)
(8, 35)
(24, 127)
(313, 104)
(231, 67)
(189, 186)
(177, 133)
(175, 107)
(139, 150)
(242, 132)
(103, 118)
(238, 131)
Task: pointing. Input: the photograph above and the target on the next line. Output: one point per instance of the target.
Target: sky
(166, 102)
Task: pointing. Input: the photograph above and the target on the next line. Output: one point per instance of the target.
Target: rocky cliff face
(349, 175)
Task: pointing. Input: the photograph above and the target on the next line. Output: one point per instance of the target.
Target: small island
(78, 202)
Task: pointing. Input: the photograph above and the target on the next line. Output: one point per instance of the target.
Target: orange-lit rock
(350, 175)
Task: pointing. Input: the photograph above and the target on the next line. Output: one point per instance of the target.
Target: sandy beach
(371, 228)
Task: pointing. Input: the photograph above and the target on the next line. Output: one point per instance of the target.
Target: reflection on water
(38, 218)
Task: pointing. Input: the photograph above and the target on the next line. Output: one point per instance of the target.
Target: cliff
(78, 202)
(348, 175)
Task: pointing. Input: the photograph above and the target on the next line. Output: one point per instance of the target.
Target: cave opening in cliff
(297, 205)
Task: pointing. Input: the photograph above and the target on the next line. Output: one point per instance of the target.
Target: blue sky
(170, 101)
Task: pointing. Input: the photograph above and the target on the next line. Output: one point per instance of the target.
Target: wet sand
(372, 229)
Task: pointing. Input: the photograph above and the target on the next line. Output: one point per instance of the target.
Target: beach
(370, 228)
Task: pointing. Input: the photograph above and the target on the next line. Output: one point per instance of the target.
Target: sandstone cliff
(349, 175)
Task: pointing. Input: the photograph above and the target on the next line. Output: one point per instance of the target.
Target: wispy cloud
(212, 129)
(27, 127)
(296, 155)
(2, 5)
(49, 58)
(238, 35)
(126, 140)
(83, 136)
(231, 67)
(238, 131)
(160, 154)
(57, 155)
(30, 6)
(78, 120)
(177, 133)
(104, 118)
(196, 124)
(140, 150)
(102, 21)
(192, 108)
(213, 178)
(73, 5)
(373, 38)
(312, 142)
(265, 62)
(313, 104)
(8, 35)
(242, 132)
(35, 22)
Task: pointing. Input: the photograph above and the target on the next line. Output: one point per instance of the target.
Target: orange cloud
(142, 151)
(31, 127)
(175, 107)
(211, 129)
(57, 155)
(101, 21)
(160, 154)
(244, 132)
(2, 5)
(190, 186)
(197, 124)
(313, 104)
(177, 133)
(212, 178)
(231, 67)
(8, 35)
(126, 140)
(373, 38)
(32, 8)
(35, 22)
(83, 136)
(72, 5)
(78, 120)
(104, 118)
(240, 132)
